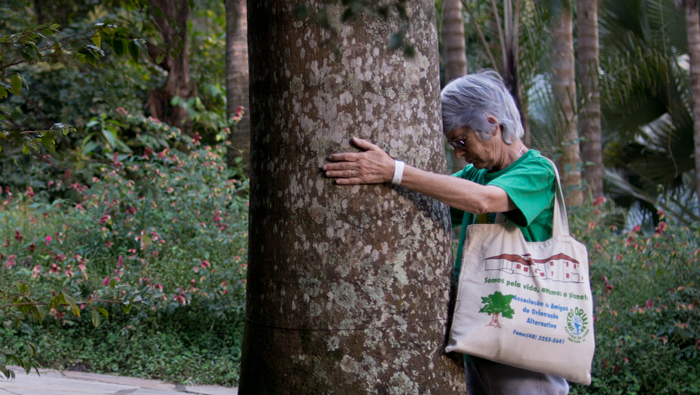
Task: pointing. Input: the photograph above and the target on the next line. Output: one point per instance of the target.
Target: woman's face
(481, 154)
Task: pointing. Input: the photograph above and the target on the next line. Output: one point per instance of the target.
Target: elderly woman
(482, 124)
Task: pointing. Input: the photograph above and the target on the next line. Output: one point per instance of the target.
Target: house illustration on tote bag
(559, 267)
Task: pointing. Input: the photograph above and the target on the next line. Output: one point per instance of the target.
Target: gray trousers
(491, 378)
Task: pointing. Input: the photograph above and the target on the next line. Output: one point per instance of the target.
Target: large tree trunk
(564, 90)
(173, 30)
(454, 50)
(347, 287)
(588, 60)
(693, 28)
(237, 78)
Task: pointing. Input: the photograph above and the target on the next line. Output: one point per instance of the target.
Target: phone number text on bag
(545, 339)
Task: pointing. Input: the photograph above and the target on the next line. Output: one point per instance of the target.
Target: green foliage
(158, 236)
(646, 290)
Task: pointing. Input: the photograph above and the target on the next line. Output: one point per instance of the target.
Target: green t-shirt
(529, 182)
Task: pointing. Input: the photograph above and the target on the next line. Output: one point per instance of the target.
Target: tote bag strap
(560, 224)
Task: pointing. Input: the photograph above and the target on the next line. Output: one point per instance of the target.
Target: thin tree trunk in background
(588, 60)
(454, 47)
(347, 287)
(692, 22)
(237, 78)
(564, 90)
(510, 48)
(173, 30)
(454, 50)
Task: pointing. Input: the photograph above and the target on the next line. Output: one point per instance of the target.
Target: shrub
(646, 292)
(172, 223)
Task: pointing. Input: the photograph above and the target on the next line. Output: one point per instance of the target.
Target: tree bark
(237, 78)
(347, 287)
(692, 22)
(454, 50)
(564, 90)
(173, 30)
(588, 60)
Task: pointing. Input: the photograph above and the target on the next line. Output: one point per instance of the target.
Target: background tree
(171, 17)
(454, 46)
(345, 291)
(692, 23)
(237, 76)
(564, 91)
(454, 53)
(589, 117)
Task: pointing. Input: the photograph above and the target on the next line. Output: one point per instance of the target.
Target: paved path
(53, 382)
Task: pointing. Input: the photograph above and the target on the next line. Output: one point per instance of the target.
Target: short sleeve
(531, 187)
(468, 173)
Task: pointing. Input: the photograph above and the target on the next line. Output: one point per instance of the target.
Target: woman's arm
(374, 166)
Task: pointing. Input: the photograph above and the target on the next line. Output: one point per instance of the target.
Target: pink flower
(662, 226)
(636, 228)
(120, 262)
(205, 264)
(54, 268)
(131, 210)
(599, 201)
(121, 110)
(32, 247)
(18, 236)
(591, 225)
(29, 193)
(105, 282)
(109, 244)
(158, 287)
(649, 304)
(196, 138)
(36, 271)
(239, 111)
(48, 239)
(193, 282)
(11, 261)
(105, 218)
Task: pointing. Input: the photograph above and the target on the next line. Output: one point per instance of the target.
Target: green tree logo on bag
(496, 304)
(577, 325)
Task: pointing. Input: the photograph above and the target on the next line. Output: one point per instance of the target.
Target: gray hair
(467, 101)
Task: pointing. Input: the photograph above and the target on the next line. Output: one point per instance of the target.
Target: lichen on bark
(347, 286)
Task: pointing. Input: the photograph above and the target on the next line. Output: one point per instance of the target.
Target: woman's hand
(373, 166)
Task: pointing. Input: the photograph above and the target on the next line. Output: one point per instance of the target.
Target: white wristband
(398, 172)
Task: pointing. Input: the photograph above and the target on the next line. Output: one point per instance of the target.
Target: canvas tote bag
(526, 304)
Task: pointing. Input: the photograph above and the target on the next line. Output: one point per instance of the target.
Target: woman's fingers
(365, 145)
(372, 166)
(345, 157)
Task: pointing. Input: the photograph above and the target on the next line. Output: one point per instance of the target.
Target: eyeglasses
(458, 144)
